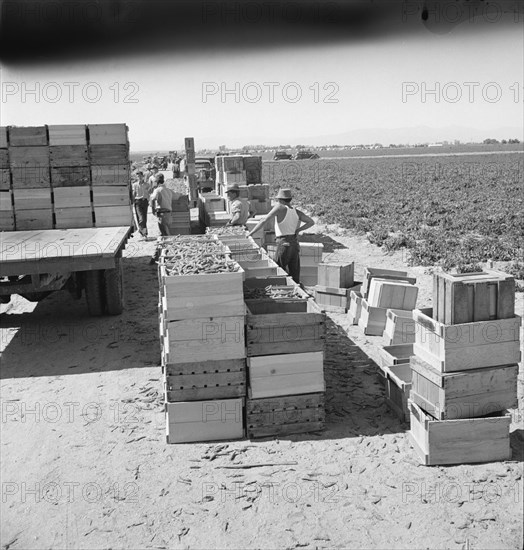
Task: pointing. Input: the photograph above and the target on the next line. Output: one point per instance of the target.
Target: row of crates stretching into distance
(64, 176)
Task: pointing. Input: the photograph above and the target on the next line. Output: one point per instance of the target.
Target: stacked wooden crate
(7, 214)
(30, 173)
(335, 283)
(464, 372)
(110, 174)
(258, 195)
(253, 168)
(310, 258)
(70, 176)
(383, 289)
(202, 328)
(395, 374)
(180, 217)
(285, 356)
(400, 327)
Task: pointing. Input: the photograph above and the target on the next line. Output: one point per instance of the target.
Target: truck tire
(94, 281)
(114, 290)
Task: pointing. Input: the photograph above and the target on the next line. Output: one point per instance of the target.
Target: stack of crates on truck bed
(202, 328)
(465, 368)
(64, 176)
(285, 339)
(335, 283)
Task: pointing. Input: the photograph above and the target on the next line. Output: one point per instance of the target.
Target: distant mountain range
(385, 136)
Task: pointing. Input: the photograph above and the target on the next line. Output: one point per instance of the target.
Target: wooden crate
(395, 355)
(32, 199)
(452, 348)
(371, 272)
(111, 195)
(388, 294)
(400, 327)
(27, 136)
(283, 326)
(372, 320)
(281, 416)
(355, 307)
(210, 338)
(202, 421)
(72, 197)
(6, 204)
(398, 387)
(234, 177)
(463, 441)
(212, 202)
(214, 379)
(469, 297)
(286, 374)
(109, 216)
(3, 137)
(29, 157)
(464, 394)
(312, 250)
(4, 159)
(108, 155)
(68, 155)
(67, 134)
(27, 220)
(199, 296)
(308, 275)
(69, 176)
(336, 274)
(31, 176)
(332, 299)
(258, 192)
(112, 174)
(69, 218)
(104, 134)
(7, 220)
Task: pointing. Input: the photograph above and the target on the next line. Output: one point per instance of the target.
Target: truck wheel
(114, 290)
(95, 292)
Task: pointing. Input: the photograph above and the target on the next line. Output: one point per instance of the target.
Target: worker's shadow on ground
(47, 341)
(330, 245)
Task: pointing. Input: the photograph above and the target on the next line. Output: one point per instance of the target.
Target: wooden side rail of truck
(35, 263)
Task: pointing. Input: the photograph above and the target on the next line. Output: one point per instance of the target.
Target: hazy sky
(370, 83)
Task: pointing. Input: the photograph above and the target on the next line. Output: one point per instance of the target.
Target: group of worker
(288, 220)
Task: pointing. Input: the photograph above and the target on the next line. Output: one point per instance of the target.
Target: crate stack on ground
(7, 214)
(310, 258)
(464, 371)
(383, 289)
(110, 174)
(335, 283)
(30, 176)
(70, 176)
(285, 340)
(202, 328)
(180, 217)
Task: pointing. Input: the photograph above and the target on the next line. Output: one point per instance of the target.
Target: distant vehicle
(305, 154)
(282, 155)
(206, 174)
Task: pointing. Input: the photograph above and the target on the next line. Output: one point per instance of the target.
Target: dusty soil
(85, 465)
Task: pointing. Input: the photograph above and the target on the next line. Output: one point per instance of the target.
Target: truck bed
(60, 250)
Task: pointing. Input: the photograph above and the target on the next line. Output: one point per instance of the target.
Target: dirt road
(84, 463)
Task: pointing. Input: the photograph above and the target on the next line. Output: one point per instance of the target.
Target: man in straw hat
(289, 221)
(239, 209)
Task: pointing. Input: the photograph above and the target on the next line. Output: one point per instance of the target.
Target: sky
(313, 92)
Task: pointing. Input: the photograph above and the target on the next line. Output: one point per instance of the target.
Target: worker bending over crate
(288, 221)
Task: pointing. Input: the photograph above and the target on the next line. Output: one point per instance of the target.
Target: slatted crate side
(336, 274)
(109, 155)
(332, 299)
(4, 159)
(112, 174)
(400, 327)
(395, 355)
(311, 250)
(392, 294)
(31, 177)
(214, 379)
(27, 136)
(68, 176)
(7, 220)
(109, 216)
(464, 394)
(371, 272)
(70, 218)
(202, 421)
(107, 134)
(111, 195)
(67, 134)
(68, 155)
(355, 307)
(27, 220)
(200, 296)
(398, 389)
(72, 197)
(462, 441)
(32, 199)
(29, 157)
(6, 202)
(286, 374)
(3, 137)
(372, 320)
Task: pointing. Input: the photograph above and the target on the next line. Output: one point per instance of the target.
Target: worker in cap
(289, 222)
(239, 208)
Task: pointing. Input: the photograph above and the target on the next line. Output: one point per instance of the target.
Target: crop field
(452, 211)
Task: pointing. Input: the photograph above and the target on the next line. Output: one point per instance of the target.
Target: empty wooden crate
(389, 294)
(200, 421)
(281, 416)
(372, 320)
(355, 307)
(289, 374)
(336, 274)
(400, 327)
(464, 394)
(332, 299)
(394, 355)
(372, 272)
(463, 441)
(398, 388)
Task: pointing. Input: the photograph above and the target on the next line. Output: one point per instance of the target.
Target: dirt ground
(85, 465)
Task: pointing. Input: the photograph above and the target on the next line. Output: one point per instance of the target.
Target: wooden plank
(112, 216)
(108, 154)
(69, 218)
(105, 134)
(289, 333)
(443, 311)
(292, 347)
(355, 307)
(506, 298)
(183, 381)
(461, 308)
(113, 174)
(212, 366)
(5, 179)
(5, 201)
(4, 159)
(208, 329)
(200, 394)
(69, 155)
(68, 176)
(34, 219)
(67, 134)
(112, 195)
(72, 197)
(28, 157)
(285, 429)
(30, 176)
(481, 305)
(32, 199)
(290, 416)
(7, 221)
(27, 136)
(286, 402)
